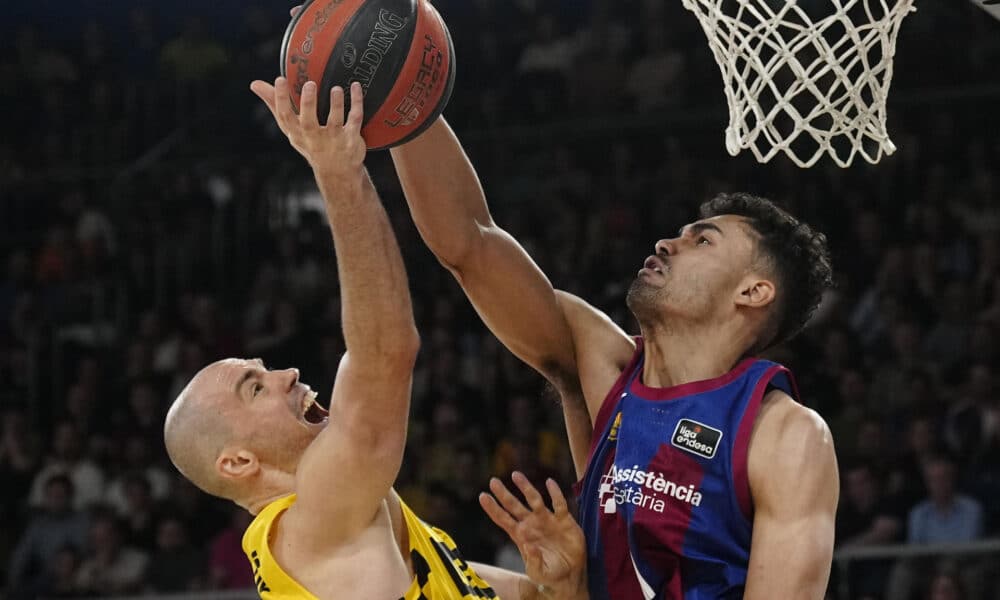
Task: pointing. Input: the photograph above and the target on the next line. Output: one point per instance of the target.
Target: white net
(805, 77)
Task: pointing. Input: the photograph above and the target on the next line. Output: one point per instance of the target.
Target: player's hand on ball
(336, 146)
(550, 542)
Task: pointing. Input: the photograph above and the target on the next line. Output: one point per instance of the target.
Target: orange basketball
(399, 50)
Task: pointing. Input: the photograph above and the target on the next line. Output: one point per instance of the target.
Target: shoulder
(791, 449)
(788, 423)
(969, 504)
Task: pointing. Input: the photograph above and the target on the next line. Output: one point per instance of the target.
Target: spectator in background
(110, 567)
(82, 408)
(56, 527)
(446, 431)
(18, 459)
(176, 565)
(66, 457)
(206, 516)
(139, 520)
(851, 401)
(906, 481)
(227, 564)
(867, 516)
(973, 422)
(946, 516)
(888, 393)
(946, 586)
(19, 450)
(136, 457)
(143, 414)
(52, 264)
(521, 424)
(543, 67)
(948, 341)
(464, 484)
(655, 81)
(60, 575)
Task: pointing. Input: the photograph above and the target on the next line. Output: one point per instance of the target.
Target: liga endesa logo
(696, 438)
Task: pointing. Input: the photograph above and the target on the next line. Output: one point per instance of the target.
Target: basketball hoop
(805, 77)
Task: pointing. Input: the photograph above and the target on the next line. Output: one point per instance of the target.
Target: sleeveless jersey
(439, 571)
(665, 502)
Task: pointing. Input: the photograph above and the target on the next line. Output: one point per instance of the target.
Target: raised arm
(351, 465)
(508, 289)
(511, 294)
(794, 484)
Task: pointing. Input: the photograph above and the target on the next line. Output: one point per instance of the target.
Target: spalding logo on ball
(399, 50)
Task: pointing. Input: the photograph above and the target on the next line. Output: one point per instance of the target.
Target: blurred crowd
(154, 221)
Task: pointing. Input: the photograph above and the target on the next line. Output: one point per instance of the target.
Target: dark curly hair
(796, 254)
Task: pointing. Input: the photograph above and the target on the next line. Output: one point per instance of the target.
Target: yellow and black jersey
(440, 573)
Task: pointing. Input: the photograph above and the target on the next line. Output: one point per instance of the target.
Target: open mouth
(312, 412)
(653, 264)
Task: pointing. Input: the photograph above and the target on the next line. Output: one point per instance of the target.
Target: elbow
(457, 250)
(400, 350)
(409, 345)
(394, 346)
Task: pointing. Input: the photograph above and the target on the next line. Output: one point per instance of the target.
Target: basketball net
(802, 83)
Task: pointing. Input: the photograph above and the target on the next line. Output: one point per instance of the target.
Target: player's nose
(289, 377)
(665, 247)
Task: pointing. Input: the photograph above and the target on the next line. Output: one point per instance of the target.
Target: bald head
(238, 428)
(197, 429)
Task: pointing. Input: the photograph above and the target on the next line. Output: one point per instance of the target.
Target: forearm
(443, 192)
(377, 313)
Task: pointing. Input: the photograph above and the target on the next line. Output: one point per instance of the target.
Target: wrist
(332, 169)
(338, 177)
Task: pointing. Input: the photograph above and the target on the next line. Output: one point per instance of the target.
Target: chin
(643, 300)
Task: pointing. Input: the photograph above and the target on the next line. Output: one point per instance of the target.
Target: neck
(675, 357)
(274, 484)
(258, 504)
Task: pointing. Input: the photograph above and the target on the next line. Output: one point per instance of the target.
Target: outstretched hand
(550, 542)
(336, 146)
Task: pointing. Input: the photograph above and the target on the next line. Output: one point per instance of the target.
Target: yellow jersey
(440, 573)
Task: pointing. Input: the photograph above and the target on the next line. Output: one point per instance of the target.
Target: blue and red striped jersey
(665, 502)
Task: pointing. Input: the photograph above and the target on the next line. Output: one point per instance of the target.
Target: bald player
(328, 523)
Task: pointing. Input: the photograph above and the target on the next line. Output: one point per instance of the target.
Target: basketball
(399, 50)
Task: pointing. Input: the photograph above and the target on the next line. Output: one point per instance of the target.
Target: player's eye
(257, 388)
(703, 241)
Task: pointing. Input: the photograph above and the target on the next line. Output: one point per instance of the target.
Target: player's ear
(755, 292)
(236, 463)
